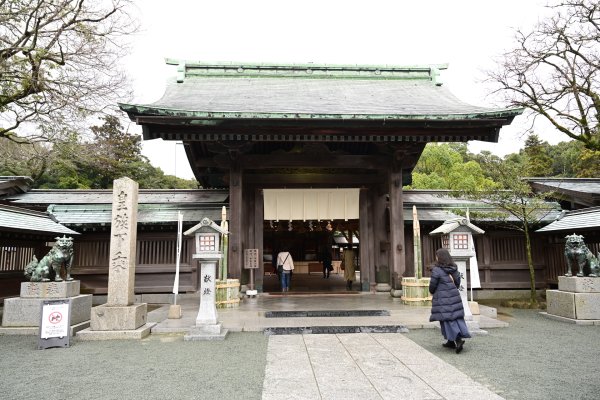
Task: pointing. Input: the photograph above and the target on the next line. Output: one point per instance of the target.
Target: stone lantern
(207, 235)
(457, 237)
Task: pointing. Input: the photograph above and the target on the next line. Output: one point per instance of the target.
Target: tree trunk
(533, 297)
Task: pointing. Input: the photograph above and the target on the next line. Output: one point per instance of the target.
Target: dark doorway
(309, 243)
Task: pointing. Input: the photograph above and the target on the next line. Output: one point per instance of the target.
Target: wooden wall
(500, 254)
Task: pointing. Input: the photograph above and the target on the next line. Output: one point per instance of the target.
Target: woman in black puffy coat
(447, 304)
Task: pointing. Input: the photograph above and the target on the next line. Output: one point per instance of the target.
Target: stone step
(308, 330)
(327, 313)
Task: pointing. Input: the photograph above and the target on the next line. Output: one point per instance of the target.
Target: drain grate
(327, 313)
(315, 330)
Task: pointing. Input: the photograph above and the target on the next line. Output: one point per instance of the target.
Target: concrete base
(571, 320)
(579, 284)
(396, 293)
(383, 287)
(139, 333)
(474, 306)
(174, 311)
(118, 318)
(35, 330)
(206, 332)
(25, 312)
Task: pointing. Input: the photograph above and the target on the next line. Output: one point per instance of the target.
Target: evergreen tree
(537, 161)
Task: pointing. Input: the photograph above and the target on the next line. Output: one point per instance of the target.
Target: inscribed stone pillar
(123, 236)
(207, 313)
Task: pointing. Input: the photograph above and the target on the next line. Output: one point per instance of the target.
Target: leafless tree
(59, 62)
(554, 70)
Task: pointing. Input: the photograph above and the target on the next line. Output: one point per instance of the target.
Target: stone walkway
(361, 366)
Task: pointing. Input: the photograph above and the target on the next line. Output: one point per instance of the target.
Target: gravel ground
(158, 367)
(534, 358)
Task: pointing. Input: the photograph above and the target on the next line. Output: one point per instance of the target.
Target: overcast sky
(466, 34)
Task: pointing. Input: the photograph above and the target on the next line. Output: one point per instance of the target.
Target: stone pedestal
(21, 315)
(577, 299)
(383, 287)
(207, 326)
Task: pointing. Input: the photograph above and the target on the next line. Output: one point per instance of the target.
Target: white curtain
(307, 204)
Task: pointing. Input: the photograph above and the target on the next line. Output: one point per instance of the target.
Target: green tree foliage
(522, 208)
(537, 160)
(74, 164)
(565, 157)
(448, 166)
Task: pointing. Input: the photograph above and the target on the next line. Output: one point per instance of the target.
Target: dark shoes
(449, 344)
(459, 345)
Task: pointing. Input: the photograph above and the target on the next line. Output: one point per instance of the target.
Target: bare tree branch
(554, 71)
(59, 61)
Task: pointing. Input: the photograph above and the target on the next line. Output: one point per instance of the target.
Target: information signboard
(251, 258)
(55, 324)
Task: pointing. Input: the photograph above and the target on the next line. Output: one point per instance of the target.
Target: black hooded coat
(446, 304)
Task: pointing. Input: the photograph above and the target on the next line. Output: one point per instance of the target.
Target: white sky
(466, 34)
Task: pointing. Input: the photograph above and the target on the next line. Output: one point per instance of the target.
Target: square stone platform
(21, 315)
(577, 298)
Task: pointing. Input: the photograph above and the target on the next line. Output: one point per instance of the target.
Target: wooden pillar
(235, 226)
(259, 213)
(397, 251)
(247, 235)
(380, 234)
(365, 241)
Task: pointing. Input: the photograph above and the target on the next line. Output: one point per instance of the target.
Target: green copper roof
(204, 92)
(22, 220)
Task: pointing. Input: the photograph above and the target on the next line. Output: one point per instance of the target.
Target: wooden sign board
(251, 259)
(55, 324)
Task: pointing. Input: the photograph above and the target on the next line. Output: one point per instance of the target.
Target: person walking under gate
(327, 263)
(285, 266)
(446, 304)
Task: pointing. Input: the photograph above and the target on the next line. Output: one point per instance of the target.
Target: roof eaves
(204, 117)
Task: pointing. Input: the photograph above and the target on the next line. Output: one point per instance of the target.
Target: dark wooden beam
(310, 180)
(256, 161)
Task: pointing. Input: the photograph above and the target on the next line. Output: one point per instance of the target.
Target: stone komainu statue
(578, 253)
(49, 267)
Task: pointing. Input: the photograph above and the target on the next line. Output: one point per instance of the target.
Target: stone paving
(361, 366)
(343, 366)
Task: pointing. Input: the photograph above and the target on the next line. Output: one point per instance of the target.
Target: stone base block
(206, 332)
(474, 306)
(25, 312)
(383, 287)
(560, 303)
(139, 333)
(584, 284)
(580, 306)
(174, 311)
(587, 305)
(118, 318)
(51, 290)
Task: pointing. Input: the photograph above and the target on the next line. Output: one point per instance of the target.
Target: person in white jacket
(285, 266)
